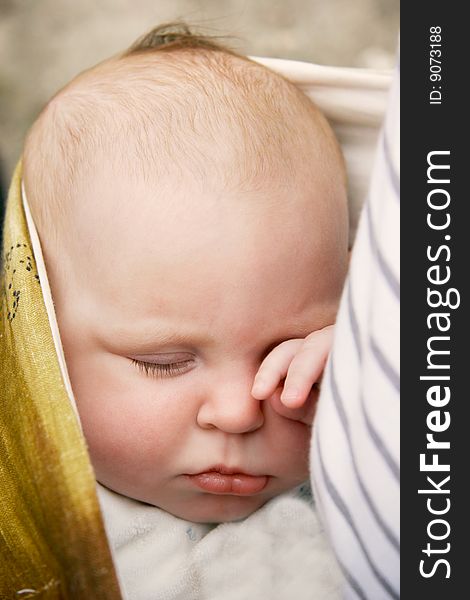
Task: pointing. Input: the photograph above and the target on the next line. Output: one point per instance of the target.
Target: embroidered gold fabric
(52, 538)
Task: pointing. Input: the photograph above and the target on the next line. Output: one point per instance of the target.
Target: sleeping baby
(191, 206)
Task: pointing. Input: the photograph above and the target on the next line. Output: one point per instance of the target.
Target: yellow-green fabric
(52, 538)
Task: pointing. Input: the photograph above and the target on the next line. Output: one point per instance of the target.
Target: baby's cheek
(121, 435)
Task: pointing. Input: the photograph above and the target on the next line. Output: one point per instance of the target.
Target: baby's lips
(239, 484)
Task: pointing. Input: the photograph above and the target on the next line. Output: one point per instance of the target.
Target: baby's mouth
(223, 480)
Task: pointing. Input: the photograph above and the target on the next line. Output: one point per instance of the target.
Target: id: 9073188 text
(435, 64)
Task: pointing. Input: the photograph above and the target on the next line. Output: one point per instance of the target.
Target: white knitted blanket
(278, 553)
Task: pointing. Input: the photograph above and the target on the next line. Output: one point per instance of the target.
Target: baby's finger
(306, 367)
(303, 414)
(274, 368)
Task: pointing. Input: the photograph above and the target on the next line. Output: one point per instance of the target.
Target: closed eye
(159, 370)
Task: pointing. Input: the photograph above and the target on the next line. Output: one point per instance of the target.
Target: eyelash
(161, 370)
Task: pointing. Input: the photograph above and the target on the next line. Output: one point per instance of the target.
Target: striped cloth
(355, 448)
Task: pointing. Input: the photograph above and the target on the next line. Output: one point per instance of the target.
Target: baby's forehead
(201, 245)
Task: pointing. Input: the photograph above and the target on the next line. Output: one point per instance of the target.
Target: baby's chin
(214, 508)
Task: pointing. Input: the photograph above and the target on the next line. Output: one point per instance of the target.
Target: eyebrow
(150, 338)
(162, 336)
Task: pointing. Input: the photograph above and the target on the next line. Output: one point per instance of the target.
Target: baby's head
(191, 206)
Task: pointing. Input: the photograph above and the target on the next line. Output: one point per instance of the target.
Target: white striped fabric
(355, 457)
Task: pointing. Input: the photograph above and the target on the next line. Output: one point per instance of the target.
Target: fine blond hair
(166, 105)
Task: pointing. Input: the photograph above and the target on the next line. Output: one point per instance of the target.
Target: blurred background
(44, 43)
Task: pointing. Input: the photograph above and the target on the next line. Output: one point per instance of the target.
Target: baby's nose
(231, 408)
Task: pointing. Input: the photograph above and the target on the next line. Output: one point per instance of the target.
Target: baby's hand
(301, 362)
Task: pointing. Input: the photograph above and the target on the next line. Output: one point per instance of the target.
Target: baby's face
(169, 304)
